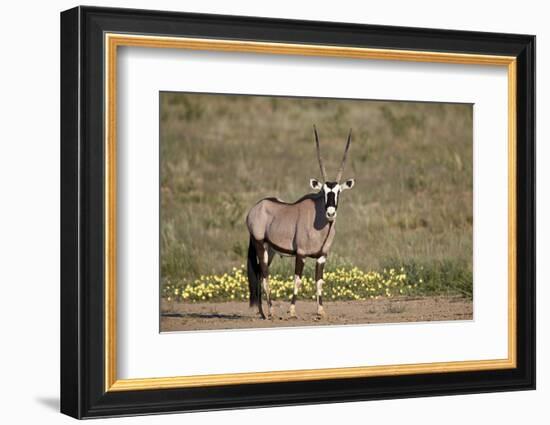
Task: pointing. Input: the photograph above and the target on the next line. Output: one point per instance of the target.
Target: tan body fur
(300, 228)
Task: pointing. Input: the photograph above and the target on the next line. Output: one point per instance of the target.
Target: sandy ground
(180, 316)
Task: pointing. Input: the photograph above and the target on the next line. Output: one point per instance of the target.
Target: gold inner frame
(113, 41)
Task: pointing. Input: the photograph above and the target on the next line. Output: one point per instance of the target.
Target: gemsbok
(303, 229)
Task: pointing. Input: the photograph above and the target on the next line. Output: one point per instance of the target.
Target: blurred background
(411, 206)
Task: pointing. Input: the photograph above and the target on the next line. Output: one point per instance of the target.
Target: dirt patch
(181, 316)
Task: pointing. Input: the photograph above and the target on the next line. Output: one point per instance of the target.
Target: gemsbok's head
(331, 189)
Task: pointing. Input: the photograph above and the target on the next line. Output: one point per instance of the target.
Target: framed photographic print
(261, 212)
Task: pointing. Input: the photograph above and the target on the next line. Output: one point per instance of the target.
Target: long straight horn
(321, 166)
(341, 169)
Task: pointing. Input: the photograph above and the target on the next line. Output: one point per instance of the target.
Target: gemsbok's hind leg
(319, 267)
(298, 270)
(263, 256)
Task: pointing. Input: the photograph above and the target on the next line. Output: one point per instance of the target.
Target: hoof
(321, 313)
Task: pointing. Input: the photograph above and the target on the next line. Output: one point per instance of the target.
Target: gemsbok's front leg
(319, 267)
(298, 270)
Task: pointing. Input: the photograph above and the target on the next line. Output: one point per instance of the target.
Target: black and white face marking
(331, 191)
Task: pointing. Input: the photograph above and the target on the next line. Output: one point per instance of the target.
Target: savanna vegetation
(405, 228)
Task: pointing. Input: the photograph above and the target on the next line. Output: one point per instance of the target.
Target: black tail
(253, 269)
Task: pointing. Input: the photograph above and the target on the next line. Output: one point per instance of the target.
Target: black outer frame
(82, 216)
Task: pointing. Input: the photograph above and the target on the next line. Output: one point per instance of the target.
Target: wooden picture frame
(90, 38)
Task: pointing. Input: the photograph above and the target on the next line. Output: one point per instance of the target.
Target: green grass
(446, 277)
(411, 205)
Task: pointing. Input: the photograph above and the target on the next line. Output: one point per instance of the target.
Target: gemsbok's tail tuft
(253, 269)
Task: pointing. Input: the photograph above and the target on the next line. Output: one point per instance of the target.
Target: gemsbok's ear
(315, 184)
(348, 184)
